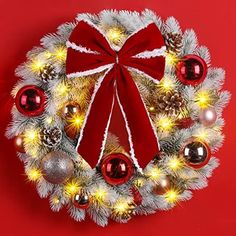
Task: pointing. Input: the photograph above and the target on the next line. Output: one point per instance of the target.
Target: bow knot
(117, 59)
(89, 52)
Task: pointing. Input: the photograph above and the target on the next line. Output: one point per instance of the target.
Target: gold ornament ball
(70, 110)
(163, 186)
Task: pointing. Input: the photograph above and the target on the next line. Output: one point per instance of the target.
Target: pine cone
(51, 137)
(173, 42)
(170, 102)
(48, 73)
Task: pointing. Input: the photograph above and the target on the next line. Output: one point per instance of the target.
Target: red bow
(89, 52)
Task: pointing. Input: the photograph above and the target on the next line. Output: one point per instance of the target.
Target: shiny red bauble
(81, 200)
(116, 168)
(196, 153)
(30, 101)
(19, 143)
(191, 70)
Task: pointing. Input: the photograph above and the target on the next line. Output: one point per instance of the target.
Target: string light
(72, 187)
(62, 89)
(203, 99)
(76, 122)
(115, 34)
(172, 195)
(175, 163)
(60, 53)
(100, 194)
(201, 134)
(151, 108)
(166, 85)
(37, 64)
(33, 174)
(171, 59)
(31, 137)
(121, 207)
(165, 124)
(55, 200)
(154, 173)
(49, 120)
(139, 182)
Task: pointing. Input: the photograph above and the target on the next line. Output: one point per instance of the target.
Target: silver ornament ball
(57, 167)
(208, 116)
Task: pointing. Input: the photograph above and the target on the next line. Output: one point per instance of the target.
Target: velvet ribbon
(90, 52)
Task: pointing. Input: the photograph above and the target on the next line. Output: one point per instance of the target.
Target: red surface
(210, 212)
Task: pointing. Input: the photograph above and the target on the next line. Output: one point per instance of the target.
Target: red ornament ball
(116, 168)
(184, 123)
(30, 100)
(196, 153)
(81, 200)
(19, 143)
(191, 70)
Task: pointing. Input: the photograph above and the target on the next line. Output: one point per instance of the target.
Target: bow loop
(90, 50)
(146, 39)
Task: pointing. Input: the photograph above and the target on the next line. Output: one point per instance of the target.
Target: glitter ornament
(57, 167)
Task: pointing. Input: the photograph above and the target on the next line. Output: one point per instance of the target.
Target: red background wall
(22, 212)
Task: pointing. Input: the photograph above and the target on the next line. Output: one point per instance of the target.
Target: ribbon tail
(143, 140)
(94, 131)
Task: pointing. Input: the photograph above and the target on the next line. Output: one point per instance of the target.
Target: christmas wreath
(170, 99)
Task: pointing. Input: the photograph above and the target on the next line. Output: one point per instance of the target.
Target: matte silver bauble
(57, 167)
